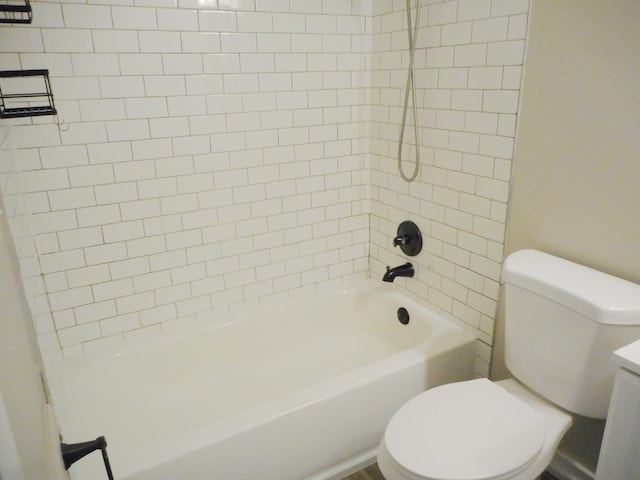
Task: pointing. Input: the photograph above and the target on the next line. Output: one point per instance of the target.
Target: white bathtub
(301, 391)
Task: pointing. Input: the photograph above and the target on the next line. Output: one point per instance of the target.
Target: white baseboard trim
(564, 467)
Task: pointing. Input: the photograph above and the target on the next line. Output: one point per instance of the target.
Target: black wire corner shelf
(15, 11)
(25, 93)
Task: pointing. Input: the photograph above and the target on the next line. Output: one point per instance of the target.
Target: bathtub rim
(351, 286)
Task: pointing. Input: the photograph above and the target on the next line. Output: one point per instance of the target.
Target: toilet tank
(562, 323)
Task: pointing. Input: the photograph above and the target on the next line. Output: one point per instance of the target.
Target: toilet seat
(464, 431)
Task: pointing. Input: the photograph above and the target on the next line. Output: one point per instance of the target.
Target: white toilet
(563, 321)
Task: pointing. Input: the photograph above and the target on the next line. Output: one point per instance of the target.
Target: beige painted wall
(576, 178)
(34, 435)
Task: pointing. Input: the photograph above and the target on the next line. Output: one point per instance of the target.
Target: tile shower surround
(468, 73)
(218, 155)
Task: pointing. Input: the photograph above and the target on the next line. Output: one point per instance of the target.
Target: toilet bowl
(471, 431)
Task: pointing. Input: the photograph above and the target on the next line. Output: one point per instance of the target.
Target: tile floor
(370, 473)
(373, 473)
(547, 476)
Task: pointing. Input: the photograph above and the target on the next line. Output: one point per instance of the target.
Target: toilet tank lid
(597, 295)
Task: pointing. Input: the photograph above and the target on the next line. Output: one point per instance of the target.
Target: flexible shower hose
(412, 32)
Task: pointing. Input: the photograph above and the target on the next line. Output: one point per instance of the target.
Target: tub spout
(405, 270)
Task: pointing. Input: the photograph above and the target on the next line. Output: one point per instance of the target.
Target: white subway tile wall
(468, 72)
(204, 159)
(214, 156)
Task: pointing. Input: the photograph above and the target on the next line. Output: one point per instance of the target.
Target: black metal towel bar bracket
(72, 452)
